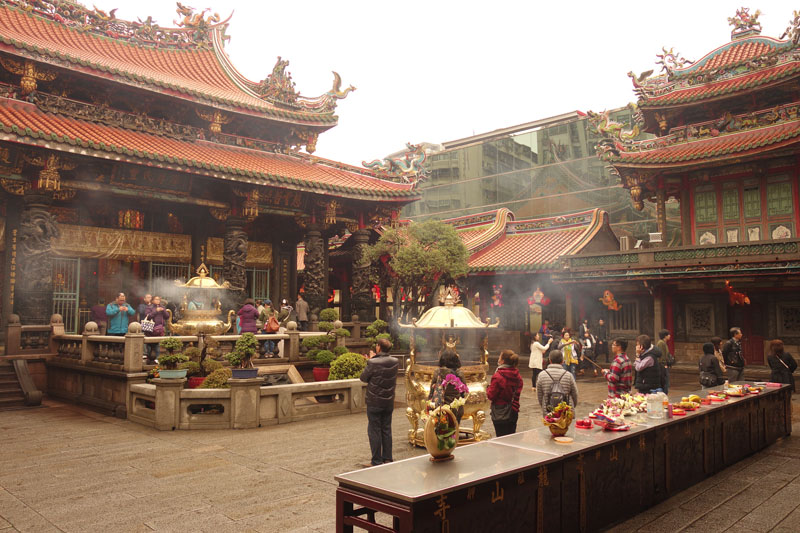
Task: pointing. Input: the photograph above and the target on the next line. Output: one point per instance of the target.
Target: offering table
(529, 482)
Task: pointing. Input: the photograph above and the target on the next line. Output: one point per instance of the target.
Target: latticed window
(626, 320)
(752, 203)
(705, 207)
(779, 198)
(730, 204)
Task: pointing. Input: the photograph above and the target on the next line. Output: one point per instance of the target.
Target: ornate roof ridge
(193, 31)
(728, 124)
(779, 46)
(143, 54)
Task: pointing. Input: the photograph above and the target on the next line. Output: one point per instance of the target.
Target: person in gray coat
(380, 375)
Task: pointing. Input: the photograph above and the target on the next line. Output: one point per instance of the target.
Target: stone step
(9, 385)
(6, 403)
(11, 393)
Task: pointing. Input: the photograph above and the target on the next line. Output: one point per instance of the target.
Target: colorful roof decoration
(498, 243)
(24, 123)
(730, 136)
(185, 62)
(748, 62)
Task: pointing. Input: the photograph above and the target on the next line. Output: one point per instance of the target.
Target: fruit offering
(585, 423)
(627, 404)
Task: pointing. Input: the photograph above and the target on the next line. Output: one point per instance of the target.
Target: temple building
(131, 153)
(726, 149)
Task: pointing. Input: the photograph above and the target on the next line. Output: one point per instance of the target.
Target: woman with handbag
(781, 363)
(155, 318)
(503, 392)
(271, 325)
(711, 374)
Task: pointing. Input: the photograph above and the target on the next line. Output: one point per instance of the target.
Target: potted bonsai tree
(241, 357)
(168, 366)
(170, 344)
(324, 358)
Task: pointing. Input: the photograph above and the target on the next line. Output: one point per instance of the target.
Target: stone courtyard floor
(65, 468)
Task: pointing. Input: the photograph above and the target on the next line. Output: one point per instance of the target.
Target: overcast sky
(441, 70)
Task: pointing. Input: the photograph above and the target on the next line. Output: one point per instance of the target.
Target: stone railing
(166, 405)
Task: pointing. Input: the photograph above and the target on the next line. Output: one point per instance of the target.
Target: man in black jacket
(381, 379)
(732, 354)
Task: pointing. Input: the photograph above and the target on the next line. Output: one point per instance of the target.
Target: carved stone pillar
(362, 304)
(316, 274)
(234, 256)
(34, 290)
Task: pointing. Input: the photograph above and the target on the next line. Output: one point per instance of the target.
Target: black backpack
(557, 393)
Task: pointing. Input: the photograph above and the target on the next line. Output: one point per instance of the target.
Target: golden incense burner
(450, 325)
(202, 313)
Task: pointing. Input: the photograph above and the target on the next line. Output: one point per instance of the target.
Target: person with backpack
(649, 370)
(503, 392)
(732, 353)
(556, 385)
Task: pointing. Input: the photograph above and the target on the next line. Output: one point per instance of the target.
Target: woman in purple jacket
(248, 315)
(158, 314)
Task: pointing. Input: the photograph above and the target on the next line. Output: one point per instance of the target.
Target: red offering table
(529, 482)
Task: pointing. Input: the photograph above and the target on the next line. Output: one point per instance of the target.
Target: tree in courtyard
(416, 259)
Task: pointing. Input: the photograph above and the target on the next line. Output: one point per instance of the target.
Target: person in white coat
(537, 355)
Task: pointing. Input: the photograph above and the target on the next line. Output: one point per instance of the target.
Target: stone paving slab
(65, 468)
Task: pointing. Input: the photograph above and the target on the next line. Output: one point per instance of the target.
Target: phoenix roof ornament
(793, 30)
(671, 60)
(744, 22)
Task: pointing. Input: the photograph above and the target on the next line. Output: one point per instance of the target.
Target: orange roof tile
(725, 146)
(191, 70)
(732, 53)
(536, 244)
(23, 122)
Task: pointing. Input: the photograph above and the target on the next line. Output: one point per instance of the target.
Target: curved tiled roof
(193, 72)
(726, 146)
(25, 123)
(733, 53)
(535, 244)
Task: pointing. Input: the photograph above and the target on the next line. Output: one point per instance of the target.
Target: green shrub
(339, 350)
(329, 315)
(325, 357)
(192, 368)
(218, 379)
(325, 326)
(376, 328)
(171, 361)
(209, 366)
(312, 354)
(171, 344)
(310, 343)
(341, 332)
(193, 353)
(347, 366)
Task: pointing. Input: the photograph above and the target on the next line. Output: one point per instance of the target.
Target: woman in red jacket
(503, 392)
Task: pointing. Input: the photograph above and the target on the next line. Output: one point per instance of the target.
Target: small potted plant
(241, 357)
(168, 366)
(324, 358)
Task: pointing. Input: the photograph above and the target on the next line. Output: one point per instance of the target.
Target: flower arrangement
(445, 421)
(559, 419)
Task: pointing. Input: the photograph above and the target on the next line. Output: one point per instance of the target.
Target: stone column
(234, 257)
(34, 290)
(661, 214)
(316, 274)
(168, 402)
(245, 402)
(134, 349)
(686, 213)
(568, 308)
(362, 303)
(658, 314)
(293, 344)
